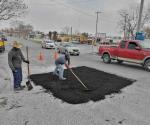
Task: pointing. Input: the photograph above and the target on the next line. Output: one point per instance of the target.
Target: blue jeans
(17, 77)
(59, 71)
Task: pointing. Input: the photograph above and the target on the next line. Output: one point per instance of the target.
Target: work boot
(62, 78)
(56, 73)
(22, 86)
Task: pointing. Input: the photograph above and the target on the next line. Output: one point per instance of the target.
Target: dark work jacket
(15, 58)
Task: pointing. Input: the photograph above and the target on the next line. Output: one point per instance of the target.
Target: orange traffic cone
(40, 56)
(55, 55)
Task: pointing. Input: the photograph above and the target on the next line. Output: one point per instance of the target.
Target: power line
(81, 11)
(75, 9)
(78, 10)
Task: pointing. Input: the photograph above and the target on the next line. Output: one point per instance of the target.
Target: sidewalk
(5, 74)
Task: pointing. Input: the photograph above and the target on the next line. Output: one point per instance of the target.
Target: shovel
(28, 83)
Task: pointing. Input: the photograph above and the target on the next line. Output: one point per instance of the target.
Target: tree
(18, 27)
(77, 32)
(85, 34)
(147, 30)
(129, 19)
(11, 8)
(65, 30)
(50, 35)
(55, 35)
(21, 29)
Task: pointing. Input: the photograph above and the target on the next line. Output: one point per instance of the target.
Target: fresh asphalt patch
(71, 90)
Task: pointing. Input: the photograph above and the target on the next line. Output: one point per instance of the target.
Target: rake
(86, 88)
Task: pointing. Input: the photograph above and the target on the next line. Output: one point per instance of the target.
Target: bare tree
(50, 35)
(27, 30)
(77, 32)
(85, 34)
(11, 8)
(129, 19)
(147, 31)
(55, 35)
(65, 30)
(21, 29)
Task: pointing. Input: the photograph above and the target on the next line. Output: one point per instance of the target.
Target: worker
(15, 58)
(59, 62)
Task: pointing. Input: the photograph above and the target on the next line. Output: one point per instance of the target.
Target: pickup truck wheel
(106, 58)
(147, 65)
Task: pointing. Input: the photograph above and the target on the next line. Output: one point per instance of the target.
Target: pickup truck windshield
(145, 44)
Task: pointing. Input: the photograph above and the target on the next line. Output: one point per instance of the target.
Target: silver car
(69, 47)
(48, 44)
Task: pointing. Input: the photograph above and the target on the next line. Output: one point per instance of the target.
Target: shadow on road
(130, 65)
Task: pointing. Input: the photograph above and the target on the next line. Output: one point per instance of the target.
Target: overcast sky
(50, 15)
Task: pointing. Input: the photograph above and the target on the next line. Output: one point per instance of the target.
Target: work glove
(27, 61)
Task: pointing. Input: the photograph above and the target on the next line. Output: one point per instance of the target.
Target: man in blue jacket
(62, 60)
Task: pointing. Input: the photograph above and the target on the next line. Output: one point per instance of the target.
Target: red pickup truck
(127, 50)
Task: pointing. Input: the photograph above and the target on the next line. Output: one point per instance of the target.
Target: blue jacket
(62, 60)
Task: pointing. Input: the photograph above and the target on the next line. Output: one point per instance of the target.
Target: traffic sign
(140, 36)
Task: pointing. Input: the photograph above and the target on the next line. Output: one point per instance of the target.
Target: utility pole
(98, 12)
(71, 33)
(125, 26)
(140, 16)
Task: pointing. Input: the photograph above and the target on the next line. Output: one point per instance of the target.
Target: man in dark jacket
(62, 60)
(15, 58)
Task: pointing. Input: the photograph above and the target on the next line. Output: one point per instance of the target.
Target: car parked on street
(69, 47)
(48, 44)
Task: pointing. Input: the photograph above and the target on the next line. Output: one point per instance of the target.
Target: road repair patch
(72, 91)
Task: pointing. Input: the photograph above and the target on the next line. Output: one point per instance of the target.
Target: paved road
(131, 107)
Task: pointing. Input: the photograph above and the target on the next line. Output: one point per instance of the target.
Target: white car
(48, 44)
(69, 47)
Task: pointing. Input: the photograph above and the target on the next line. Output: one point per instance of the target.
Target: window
(123, 44)
(132, 45)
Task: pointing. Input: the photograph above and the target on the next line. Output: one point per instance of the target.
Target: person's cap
(16, 44)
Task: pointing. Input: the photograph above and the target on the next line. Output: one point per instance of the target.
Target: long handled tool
(28, 83)
(86, 88)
